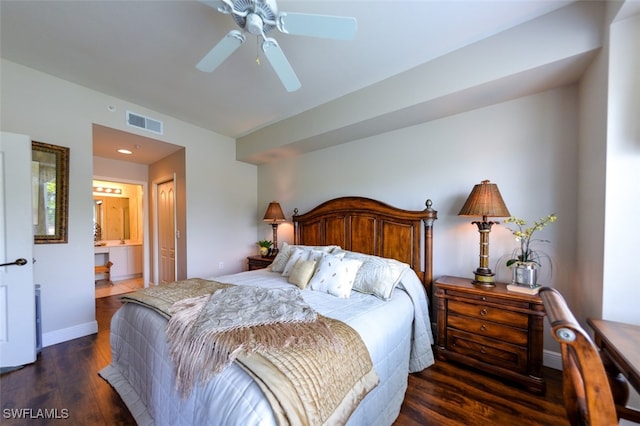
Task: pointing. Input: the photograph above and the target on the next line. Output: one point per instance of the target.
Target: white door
(167, 232)
(17, 290)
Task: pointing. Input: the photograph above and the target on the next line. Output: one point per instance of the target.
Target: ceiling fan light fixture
(259, 17)
(254, 24)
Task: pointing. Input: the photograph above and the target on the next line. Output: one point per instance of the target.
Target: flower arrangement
(265, 247)
(525, 237)
(264, 243)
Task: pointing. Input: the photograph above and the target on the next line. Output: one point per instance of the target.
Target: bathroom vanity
(126, 258)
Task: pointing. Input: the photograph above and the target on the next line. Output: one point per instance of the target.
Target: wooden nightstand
(492, 329)
(258, 262)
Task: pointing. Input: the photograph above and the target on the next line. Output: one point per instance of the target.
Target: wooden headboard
(372, 227)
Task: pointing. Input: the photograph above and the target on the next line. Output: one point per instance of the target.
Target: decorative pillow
(315, 254)
(297, 254)
(283, 255)
(335, 275)
(281, 258)
(377, 275)
(302, 273)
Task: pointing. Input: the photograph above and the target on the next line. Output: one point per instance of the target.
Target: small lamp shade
(274, 215)
(485, 201)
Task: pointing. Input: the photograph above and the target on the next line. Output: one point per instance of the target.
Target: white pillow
(302, 273)
(283, 255)
(335, 275)
(316, 255)
(297, 254)
(303, 253)
(377, 275)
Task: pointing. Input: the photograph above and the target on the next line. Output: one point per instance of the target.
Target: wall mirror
(50, 182)
(112, 218)
(117, 212)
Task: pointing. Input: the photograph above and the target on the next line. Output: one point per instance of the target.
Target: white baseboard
(65, 334)
(552, 359)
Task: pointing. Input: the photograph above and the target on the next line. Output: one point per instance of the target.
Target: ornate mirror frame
(50, 182)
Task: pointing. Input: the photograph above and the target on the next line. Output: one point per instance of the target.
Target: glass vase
(524, 274)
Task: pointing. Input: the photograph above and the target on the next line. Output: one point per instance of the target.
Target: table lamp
(485, 201)
(274, 215)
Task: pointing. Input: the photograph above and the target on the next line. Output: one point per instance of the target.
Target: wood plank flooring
(64, 381)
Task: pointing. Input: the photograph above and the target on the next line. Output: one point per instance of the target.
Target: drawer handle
(483, 327)
(483, 350)
(483, 312)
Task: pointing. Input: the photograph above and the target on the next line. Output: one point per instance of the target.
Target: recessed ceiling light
(124, 151)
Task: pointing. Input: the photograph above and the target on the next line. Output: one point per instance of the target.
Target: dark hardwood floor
(64, 381)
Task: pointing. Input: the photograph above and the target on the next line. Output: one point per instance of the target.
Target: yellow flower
(524, 237)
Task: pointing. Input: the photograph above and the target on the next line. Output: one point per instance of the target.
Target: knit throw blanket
(161, 298)
(312, 369)
(206, 333)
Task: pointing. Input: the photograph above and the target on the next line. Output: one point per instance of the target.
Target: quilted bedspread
(287, 348)
(397, 334)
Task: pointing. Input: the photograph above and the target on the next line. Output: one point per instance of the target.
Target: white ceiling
(145, 52)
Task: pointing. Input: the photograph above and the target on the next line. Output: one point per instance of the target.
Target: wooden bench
(104, 270)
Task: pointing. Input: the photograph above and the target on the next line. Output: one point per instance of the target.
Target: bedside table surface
(500, 290)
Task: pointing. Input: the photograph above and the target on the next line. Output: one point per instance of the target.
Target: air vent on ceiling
(142, 122)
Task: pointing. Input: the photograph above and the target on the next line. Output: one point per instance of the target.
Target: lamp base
(484, 278)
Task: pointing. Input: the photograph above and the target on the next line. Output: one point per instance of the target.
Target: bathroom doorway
(147, 159)
(119, 236)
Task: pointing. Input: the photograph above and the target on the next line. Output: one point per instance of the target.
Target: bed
(393, 323)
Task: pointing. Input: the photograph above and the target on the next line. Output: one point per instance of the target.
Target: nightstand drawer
(258, 262)
(502, 332)
(487, 350)
(489, 313)
(488, 299)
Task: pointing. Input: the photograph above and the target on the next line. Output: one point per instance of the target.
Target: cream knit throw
(205, 334)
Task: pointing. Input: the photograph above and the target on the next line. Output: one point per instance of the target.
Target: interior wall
(221, 206)
(527, 146)
(621, 291)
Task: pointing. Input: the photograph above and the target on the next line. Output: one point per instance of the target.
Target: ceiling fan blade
(280, 65)
(221, 51)
(324, 26)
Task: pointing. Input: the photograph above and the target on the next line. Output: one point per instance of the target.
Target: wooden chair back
(587, 393)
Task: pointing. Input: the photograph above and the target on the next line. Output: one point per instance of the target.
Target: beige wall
(221, 192)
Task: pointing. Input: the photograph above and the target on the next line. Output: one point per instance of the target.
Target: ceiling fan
(259, 17)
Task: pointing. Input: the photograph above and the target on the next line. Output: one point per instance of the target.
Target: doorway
(149, 160)
(119, 234)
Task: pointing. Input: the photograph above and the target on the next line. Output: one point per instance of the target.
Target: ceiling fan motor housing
(257, 12)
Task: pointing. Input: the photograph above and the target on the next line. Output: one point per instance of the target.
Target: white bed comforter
(396, 332)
